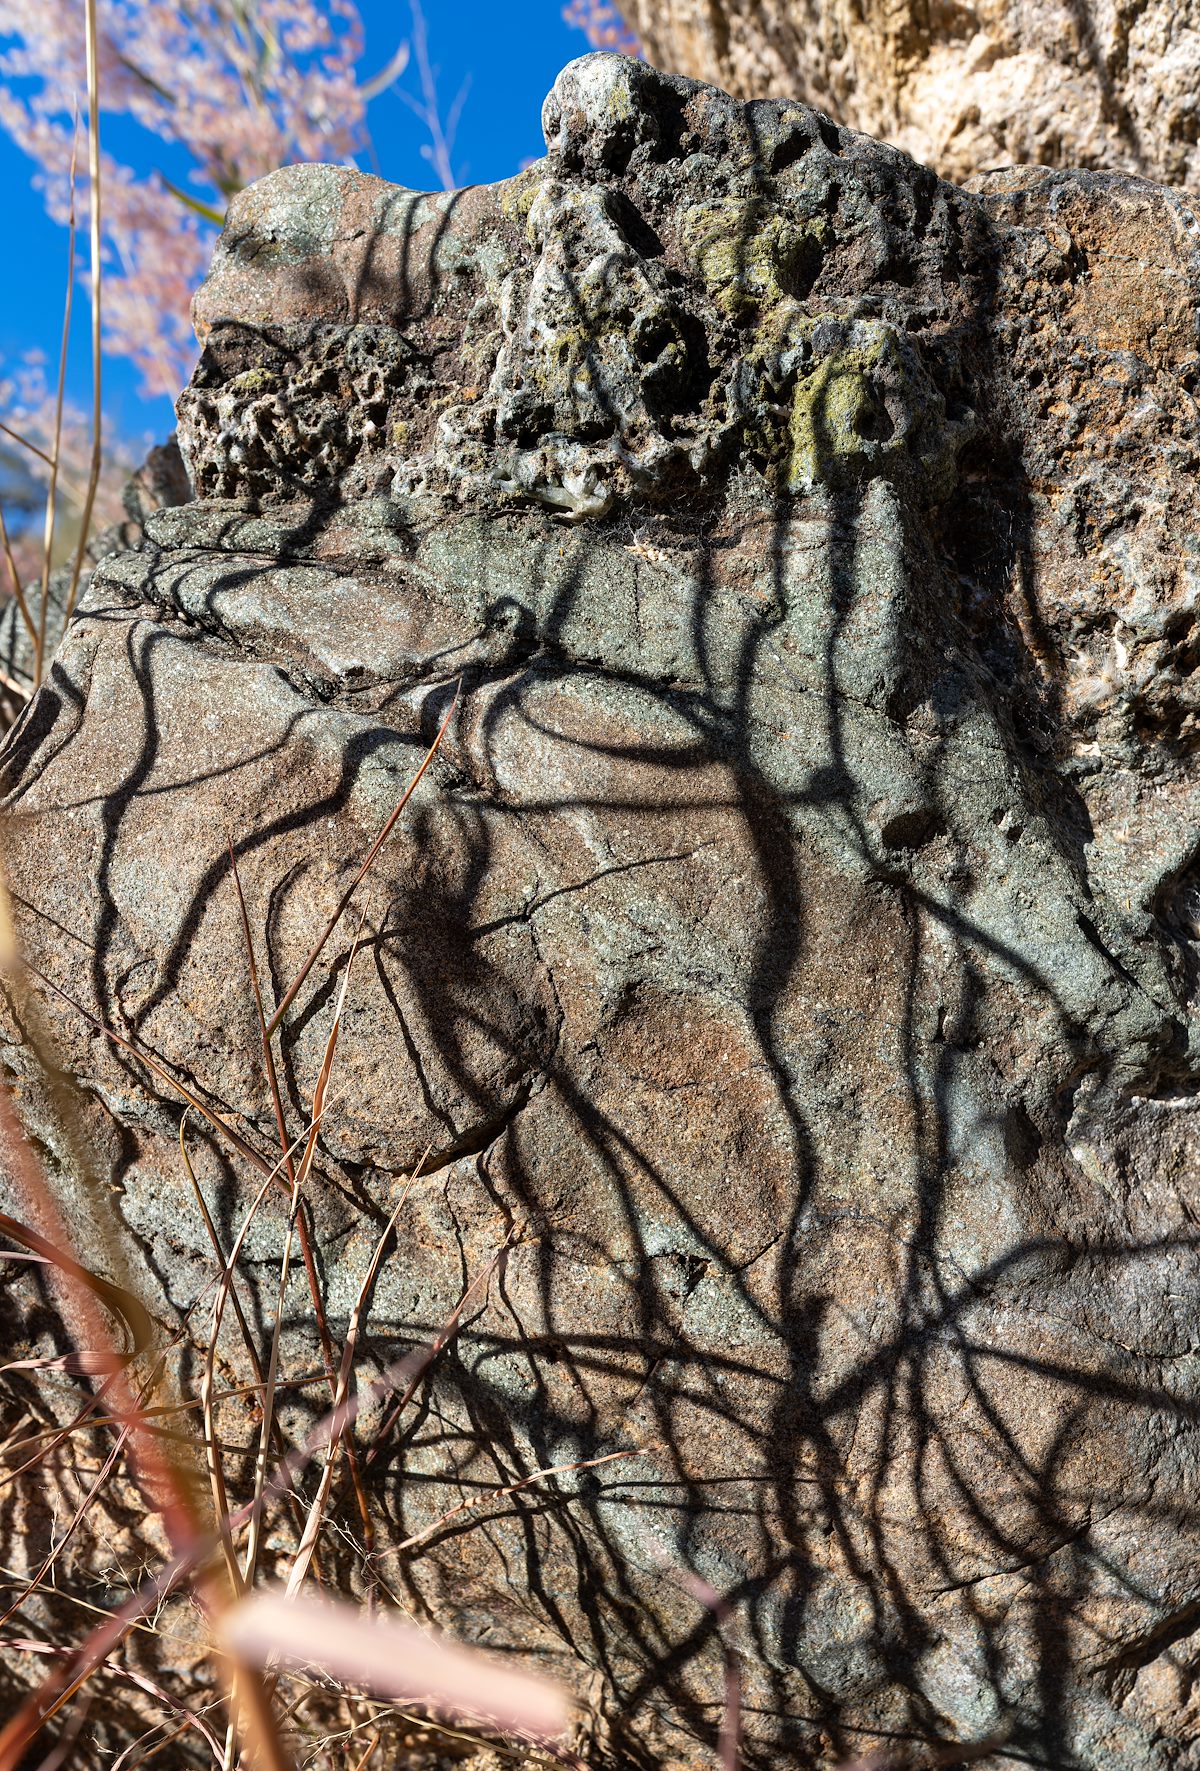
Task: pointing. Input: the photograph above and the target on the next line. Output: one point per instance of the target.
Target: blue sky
(510, 53)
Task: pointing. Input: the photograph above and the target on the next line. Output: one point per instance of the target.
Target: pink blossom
(27, 406)
(243, 86)
(602, 25)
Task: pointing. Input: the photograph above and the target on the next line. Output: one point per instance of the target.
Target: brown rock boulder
(792, 949)
(964, 88)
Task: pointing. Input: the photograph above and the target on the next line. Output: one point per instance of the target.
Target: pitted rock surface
(792, 948)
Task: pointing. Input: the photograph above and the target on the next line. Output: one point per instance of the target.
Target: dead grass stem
(97, 269)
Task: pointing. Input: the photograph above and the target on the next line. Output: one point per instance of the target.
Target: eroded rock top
(685, 286)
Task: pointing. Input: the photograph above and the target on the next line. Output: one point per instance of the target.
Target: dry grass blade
(109, 1634)
(26, 443)
(409, 1370)
(316, 1512)
(19, 691)
(218, 1250)
(49, 1441)
(39, 656)
(152, 1465)
(225, 1290)
(122, 1304)
(208, 1395)
(310, 1265)
(326, 1070)
(395, 1659)
(301, 1175)
(268, 1404)
(372, 1745)
(420, 1362)
(64, 1539)
(264, 1033)
(64, 1747)
(15, 585)
(93, 88)
(238, 1142)
(56, 1693)
(127, 1762)
(373, 851)
(83, 1364)
(47, 1438)
(132, 1676)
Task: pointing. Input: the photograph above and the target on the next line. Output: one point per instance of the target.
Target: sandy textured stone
(964, 88)
(793, 946)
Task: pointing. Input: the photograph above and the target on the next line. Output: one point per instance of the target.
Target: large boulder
(792, 949)
(962, 86)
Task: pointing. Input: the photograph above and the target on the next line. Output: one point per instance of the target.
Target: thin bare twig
(306, 1249)
(17, 588)
(209, 1398)
(490, 1495)
(108, 1636)
(61, 1541)
(439, 150)
(308, 1537)
(446, 1334)
(247, 1150)
(26, 443)
(300, 1176)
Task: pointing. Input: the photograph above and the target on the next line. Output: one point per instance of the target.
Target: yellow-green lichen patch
(838, 412)
(252, 382)
(518, 195)
(749, 257)
(619, 101)
(837, 396)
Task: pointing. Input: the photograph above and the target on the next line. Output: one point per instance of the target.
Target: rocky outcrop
(962, 88)
(792, 950)
(160, 482)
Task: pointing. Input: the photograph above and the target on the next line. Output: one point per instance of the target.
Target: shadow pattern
(756, 964)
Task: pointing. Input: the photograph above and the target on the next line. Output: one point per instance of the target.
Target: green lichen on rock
(837, 399)
(839, 409)
(517, 195)
(676, 275)
(831, 410)
(749, 255)
(253, 382)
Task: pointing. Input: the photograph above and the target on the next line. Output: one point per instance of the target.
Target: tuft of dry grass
(35, 618)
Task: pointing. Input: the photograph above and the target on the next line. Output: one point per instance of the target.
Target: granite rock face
(794, 946)
(962, 87)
